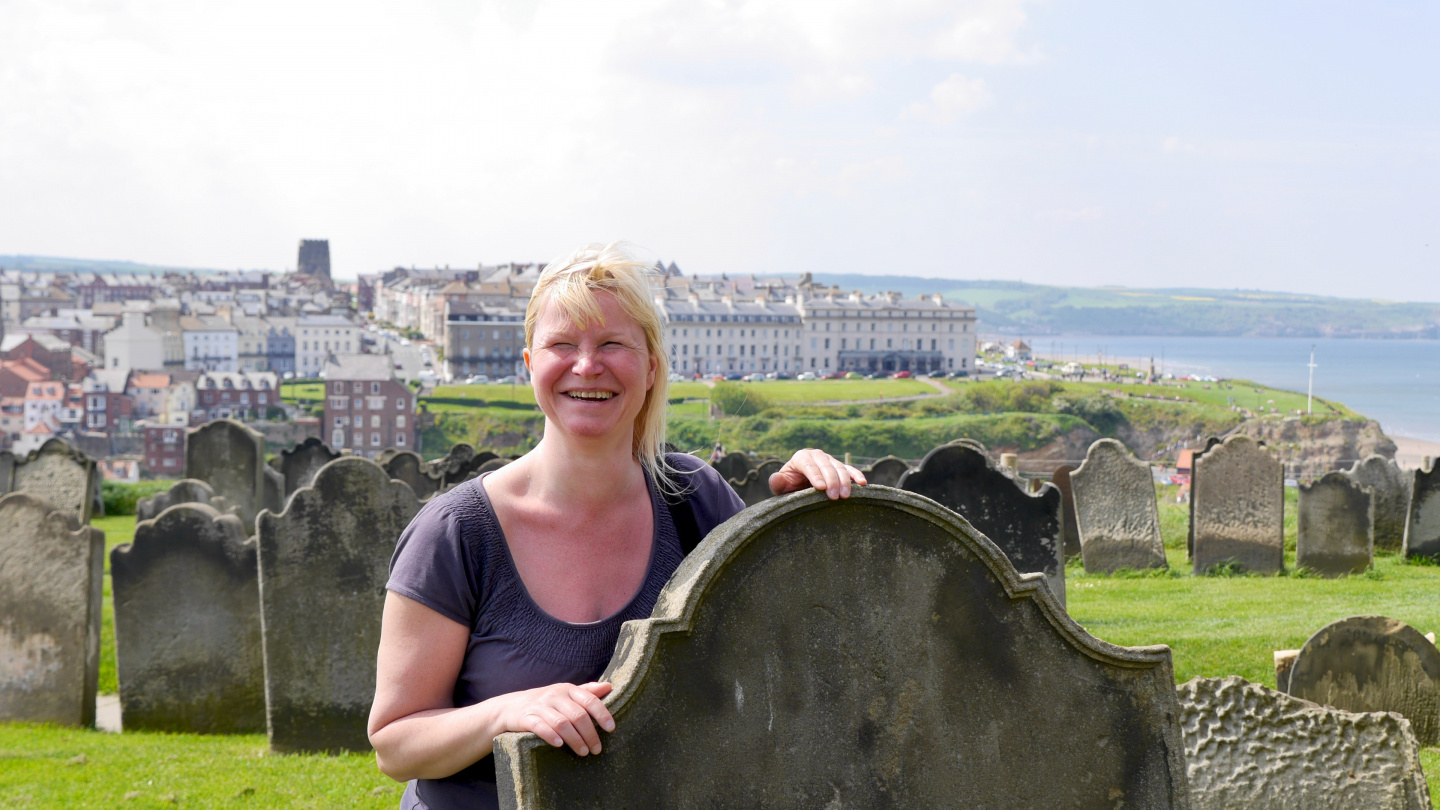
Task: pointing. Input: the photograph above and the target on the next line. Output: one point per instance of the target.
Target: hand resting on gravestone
(818, 469)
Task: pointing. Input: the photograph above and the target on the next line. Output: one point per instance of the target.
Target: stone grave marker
(1237, 504)
(755, 486)
(1422, 518)
(1372, 664)
(60, 475)
(908, 666)
(1250, 747)
(187, 625)
(51, 572)
(1334, 526)
(299, 464)
(186, 490)
(1390, 487)
(452, 468)
(1210, 443)
(1025, 526)
(1115, 510)
(274, 490)
(886, 472)
(407, 466)
(1061, 479)
(230, 457)
(733, 465)
(324, 562)
(7, 470)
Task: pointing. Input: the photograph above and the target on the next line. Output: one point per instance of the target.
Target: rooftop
(359, 367)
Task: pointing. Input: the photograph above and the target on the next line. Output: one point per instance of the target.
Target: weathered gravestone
(273, 496)
(1372, 664)
(457, 464)
(407, 466)
(51, 572)
(1390, 487)
(1237, 504)
(1210, 443)
(230, 457)
(187, 625)
(733, 465)
(299, 464)
(755, 486)
(1115, 510)
(1334, 526)
(908, 666)
(324, 562)
(1061, 479)
(186, 490)
(1250, 747)
(7, 470)
(1026, 527)
(1422, 518)
(61, 476)
(886, 472)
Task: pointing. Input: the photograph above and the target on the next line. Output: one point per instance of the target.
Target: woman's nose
(587, 363)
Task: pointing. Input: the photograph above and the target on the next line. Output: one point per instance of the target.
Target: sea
(1395, 382)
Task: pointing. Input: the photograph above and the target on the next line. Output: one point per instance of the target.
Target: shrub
(738, 400)
(120, 497)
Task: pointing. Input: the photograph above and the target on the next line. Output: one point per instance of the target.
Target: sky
(1290, 146)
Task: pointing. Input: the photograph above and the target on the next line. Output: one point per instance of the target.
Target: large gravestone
(1026, 527)
(186, 490)
(1390, 487)
(1422, 518)
(1372, 664)
(733, 465)
(1115, 510)
(1335, 521)
(299, 464)
(51, 572)
(60, 475)
(1061, 479)
(457, 464)
(886, 472)
(1238, 507)
(187, 625)
(324, 562)
(755, 486)
(908, 666)
(1210, 443)
(230, 457)
(7, 470)
(407, 466)
(1250, 747)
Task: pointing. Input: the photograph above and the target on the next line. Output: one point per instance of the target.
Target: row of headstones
(914, 638)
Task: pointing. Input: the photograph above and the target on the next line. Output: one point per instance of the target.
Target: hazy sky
(1275, 145)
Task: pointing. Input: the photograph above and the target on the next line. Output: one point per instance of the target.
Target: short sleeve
(711, 499)
(436, 562)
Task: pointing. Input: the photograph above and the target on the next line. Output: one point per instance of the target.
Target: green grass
(311, 391)
(1243, 393)
(795, 391)
(522, 394)
(118, 529)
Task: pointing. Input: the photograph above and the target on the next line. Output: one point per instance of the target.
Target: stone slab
(1422, 518)
(1061, 479)
(1210, 443)
(187, 625)
(1237, 505)
(1335, 520)
(60, 475)
(733, 465)
(230, 457)
(299, 464)
(1025, 526)
(7, 471)
(407, 466)
(1390, 487)
(1372, 664)
(908, 666)
(324, 562)
(51, 573)
(1250, 747)
(452, 468)
(186, 490)
(1115, 510)
(886, 472)
(755, 486)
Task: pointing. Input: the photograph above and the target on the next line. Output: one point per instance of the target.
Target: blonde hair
(571, 283)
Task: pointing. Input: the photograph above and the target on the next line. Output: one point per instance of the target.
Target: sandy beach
(1410, 453)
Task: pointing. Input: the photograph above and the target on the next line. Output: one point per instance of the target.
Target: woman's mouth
(590, 396)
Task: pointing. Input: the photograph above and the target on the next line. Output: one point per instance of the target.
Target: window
(399, 403)
(339, 388)
(374, 387)
(399, 439)
(339, 421)
(359, 421)
(400, 422)
(338, 439)
(359, 388)
(374, 439)
(374, 420)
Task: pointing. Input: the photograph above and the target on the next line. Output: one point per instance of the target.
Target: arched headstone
(755, 486)
(452, 468)
(186, 490)
(1390, 487)
(60, 475)
(1372, 664)
(187, 625)
(1061, 479)
(886, 472)
(733, 465)
(1025, 526)
(1422, 518)
(230, 457)
(908, 666)
(1335, 522)
(324, 562)
(407, 466)
(1210, 443)
(51, 572)
(1237, 507)
(1115, 510)
(300, 463)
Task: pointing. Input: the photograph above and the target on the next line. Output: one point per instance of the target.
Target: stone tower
(314, 260)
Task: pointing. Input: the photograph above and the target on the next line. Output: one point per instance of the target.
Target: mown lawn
(1243, 393)
(488, 392)
(310, 391)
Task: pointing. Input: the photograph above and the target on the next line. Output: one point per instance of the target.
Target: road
(412, 358)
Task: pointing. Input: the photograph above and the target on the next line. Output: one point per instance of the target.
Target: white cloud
(950, 98)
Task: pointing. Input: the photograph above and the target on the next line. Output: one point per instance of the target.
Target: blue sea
(1395, 382)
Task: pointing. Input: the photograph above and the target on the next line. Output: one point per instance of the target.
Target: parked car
(782, 376)
(476, 379)
(735, 377)
(510, 380)
(806, 375)
(756, 377)
(903, 375)
(717, 378)
(676, 377)
(854, 375)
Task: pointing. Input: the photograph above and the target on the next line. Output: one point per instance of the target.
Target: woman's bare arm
(414, 726)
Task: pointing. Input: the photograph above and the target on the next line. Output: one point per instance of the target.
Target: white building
(211, 343)
(134, 345)
(318, 336)
(726, 335)
(886, 333)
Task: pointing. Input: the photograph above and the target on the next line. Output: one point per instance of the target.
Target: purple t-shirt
(453, 559)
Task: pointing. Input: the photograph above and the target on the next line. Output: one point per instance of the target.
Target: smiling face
(591, 383)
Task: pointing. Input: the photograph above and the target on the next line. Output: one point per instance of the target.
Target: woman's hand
(560, 714)
(818, 469)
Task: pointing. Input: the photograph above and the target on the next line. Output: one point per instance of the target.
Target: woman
(506, 594)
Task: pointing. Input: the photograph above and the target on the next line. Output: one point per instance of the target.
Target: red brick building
(164, 450)
(236, 394)
(366, 408)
